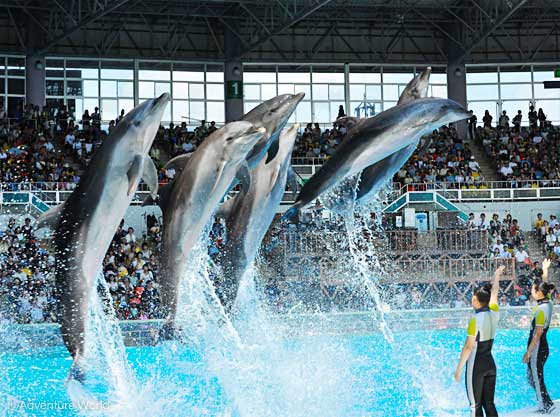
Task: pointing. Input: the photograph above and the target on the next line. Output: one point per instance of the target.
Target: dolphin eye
(137, 123)
(229, 139)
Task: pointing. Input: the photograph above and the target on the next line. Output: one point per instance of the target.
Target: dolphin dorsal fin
(179, 162)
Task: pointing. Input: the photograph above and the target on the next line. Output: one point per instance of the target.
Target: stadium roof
(299, 31)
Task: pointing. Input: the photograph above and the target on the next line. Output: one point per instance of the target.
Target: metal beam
(493, 26)
(286, 24)
(84, 22)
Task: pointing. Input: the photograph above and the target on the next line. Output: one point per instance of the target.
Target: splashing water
(105, 360)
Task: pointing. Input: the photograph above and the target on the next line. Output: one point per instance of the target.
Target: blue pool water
(413, 379)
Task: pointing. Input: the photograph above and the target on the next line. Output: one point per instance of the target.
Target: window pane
(16, 86)
(328, 77)
(126, 89)
(146, 89)
(259, 77)
(388, 104)
(268, 91)
(403, 78)
(303, 112)
(322, 114)
(390, 92)
(334, 109)
(108, 89)
(74, 88)
(90, 104)
(250, 105)
(438, 78)
(373, 92)
(197, 111)
(511, 107)
(154, 75)
(91, 88)
(357, 91)
(320, 92)
(180, 90)
(127, 104)
(54, 87)
(294, 77)
(252, 92)
(180, 111)
(162, 88)
(478, 108)
(539, 76)
(482, 92)
(79, 109)
(109, 110)
(215, 111)
(166, 115)
(82, 73)
(196, 91)
(118, 74)
(551, 108)
(482, 77)
(285, 89)
(438, 91)
(188, 76)
(336, 92)
(515, 76)
(365, 77)
(541, 92)
(215, 77)
(305, 89)
(516, 91)
(214, 91)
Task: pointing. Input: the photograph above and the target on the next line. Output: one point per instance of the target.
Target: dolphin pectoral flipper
(50, 218)
(133, 174)
(150, 176)
(219, 174)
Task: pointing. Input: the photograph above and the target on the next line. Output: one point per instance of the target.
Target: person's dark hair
(545, 287)
(482, 294)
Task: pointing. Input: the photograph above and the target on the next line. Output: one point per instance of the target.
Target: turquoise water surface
(413, 377)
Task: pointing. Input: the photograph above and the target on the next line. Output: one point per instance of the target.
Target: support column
(35, 80)
(233, 77)
(457, 90)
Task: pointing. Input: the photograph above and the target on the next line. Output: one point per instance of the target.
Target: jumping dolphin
(273, 115)
(190, 200)
(249, 214)
(375, 139)
(364, 185)
(373, 177)
(86, 223)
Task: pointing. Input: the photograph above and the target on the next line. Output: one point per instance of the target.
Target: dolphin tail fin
(292, 215)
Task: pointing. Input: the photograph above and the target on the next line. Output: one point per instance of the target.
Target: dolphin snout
(299, 96)
(163, 99)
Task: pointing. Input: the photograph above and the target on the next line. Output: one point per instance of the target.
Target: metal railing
(437, 241)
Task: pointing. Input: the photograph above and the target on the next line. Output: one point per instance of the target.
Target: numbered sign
(234, 89)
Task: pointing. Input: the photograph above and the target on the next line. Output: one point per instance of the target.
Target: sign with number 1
(234, 89)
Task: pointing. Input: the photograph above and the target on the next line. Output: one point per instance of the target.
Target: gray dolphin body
(190, 200)
(273, 115)
(375, 139)
(373, 177)
(86, 223)
(249, 214)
